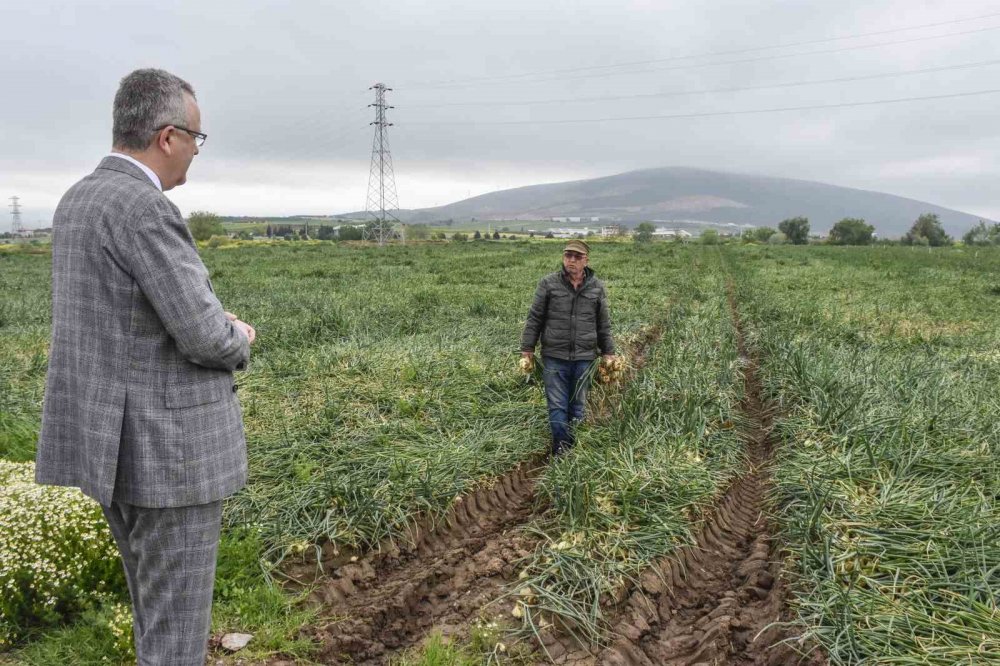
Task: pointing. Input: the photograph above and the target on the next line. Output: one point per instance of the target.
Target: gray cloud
(284, 93)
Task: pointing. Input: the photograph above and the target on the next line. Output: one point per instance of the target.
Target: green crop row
(888, 478)
(635, 486)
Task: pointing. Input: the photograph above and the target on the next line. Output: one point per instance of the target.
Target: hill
(690, 197)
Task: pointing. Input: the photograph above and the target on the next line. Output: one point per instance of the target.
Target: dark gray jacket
(573, 325)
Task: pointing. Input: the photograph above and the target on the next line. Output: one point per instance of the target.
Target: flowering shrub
(56, 552)
(120, 626)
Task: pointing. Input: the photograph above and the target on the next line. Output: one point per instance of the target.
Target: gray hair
(147, 99)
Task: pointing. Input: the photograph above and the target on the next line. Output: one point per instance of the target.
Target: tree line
(926, 230)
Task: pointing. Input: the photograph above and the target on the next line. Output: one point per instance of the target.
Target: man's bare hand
(247, 329)
(526, 354)
(231, 317)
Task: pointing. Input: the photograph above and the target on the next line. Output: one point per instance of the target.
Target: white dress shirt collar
(145, 169)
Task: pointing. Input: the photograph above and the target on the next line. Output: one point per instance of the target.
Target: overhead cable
(708, 114)
(468, 83)
(707, 91)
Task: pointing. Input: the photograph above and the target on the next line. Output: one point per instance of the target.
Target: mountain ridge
(705, 196)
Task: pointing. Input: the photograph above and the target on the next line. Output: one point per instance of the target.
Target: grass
(889, 477)
(384, 385)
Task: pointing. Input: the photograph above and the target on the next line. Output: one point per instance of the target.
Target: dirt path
(378, 607)
(375, 606)
(715, 602)
(723, 599)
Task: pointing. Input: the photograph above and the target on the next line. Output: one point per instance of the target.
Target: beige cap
(577, 246)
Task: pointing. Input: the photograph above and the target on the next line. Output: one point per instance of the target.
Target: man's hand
(608, 358)
(246, 328)
(526, 354)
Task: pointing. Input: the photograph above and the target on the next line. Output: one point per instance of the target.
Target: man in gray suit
(140, 407)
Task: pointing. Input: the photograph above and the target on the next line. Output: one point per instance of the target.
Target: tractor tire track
(721, 600)
(378, 607)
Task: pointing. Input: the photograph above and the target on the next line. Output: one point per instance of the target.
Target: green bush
(204, 225)
(56, 552)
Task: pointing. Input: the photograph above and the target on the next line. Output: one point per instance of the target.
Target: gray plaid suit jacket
(140, 405)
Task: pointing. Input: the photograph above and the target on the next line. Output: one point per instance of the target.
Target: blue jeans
(566, 384)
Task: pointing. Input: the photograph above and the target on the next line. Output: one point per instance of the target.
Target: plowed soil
(379, 606)
(721, 600)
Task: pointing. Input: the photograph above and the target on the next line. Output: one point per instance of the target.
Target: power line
(683, 93)
(468, 83)
(718, 53)
(708, 114)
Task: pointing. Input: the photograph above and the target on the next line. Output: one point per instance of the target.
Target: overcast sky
(483, 93)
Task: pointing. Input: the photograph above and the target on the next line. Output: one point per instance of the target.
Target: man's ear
(162, 140)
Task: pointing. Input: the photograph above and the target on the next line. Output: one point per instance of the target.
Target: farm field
(803, 450)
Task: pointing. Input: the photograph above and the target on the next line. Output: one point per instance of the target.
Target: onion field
(799, 465)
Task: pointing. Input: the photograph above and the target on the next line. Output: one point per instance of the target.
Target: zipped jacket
(574, 325)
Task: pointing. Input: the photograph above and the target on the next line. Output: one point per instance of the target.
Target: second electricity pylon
(15, 212)
(382, 200)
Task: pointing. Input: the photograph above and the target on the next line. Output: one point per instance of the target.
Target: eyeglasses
(573, 255)
(199, 138)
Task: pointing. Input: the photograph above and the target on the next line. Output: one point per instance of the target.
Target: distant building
(611, 230)
(664, 233)
(581, 232)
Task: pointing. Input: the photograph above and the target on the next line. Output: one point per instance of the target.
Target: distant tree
(477, 235)
(851, 231)
(927, 226)
(531, 235)
(244, 235)
(326, 232)
(268, 231)
(459, 236)
(796, 230)
(440, 235)
(981, 234)
(204, 225)
(351, 233)
(643, 232)
(777, 239)
(418, 231)
(550, 235)
(758, 234)
(709, 237)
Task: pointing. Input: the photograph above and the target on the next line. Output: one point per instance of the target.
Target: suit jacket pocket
(181, 393)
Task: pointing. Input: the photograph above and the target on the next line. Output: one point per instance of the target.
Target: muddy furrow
(377, 607)
(721, 600)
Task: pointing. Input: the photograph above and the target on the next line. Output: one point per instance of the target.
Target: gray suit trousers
(169, 557)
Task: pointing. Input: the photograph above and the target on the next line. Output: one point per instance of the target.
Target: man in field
(140, 407)
(570, 314)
